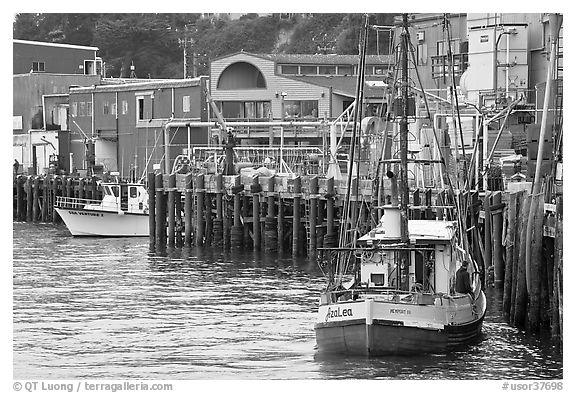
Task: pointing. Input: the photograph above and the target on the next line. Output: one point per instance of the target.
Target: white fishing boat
(408, 286)
(394, 306)
(123, 211)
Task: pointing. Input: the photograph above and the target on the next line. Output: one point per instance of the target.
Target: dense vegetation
(154, 42)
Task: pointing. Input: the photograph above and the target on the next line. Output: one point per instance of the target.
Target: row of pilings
(34, 196)
(533, 287)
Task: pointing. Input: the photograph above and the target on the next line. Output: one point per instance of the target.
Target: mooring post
(29, 198)
(151, 209)
(199, 210)
(416, 213)
(256, 188)
(36, 199)
(81, 188)
(160, 213)
(296, 216)
(497, 226)
(69, 188)
(188, 201)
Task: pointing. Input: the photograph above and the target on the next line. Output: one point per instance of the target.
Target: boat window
(133, 192)
(115, 191)
(377, 279)
(107, 190)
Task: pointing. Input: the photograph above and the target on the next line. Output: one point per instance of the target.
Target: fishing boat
(123, 211)
(407, 286)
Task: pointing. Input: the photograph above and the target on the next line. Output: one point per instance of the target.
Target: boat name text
(335, 313)
(86, 213)
(400, 311)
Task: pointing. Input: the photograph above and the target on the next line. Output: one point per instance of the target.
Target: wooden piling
(313, 215)
(36, 199)
(188, 201)
(171, 210)
(209, 227)
(331, 237)
(270, 230)
(20, 202)
(245, 212)
(178, 217)
(29, 198)
(55, 185)
(280, 224)
(160, 213)
(296, 216)
(256, 213)
(557, 317)
(511, 229)
(219, 221)
(237, 231)
(415, 214)
(81, 183)
(199, 210)
(70, 188)
(516, 252)
(535, 238)
(521, 289)
(487, 237)
(151, 209)
(428, 214)
(497, 255)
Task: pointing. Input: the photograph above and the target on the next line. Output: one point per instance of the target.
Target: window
(82, 109)
(88, 108)
(244, 109)
(289, 69)
(379, 70)
(140, 108)
(133, 192)
(422, 54)
(308, 70)
(38, 66)
(298, 109)
(327, 70)
(124, 107)
(186, 104)
(114, 110)
(74, 109)
(344, 70)
(106, 108)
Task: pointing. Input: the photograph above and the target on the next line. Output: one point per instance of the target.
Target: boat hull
(381, 338)
(83, 222)
(376, 328)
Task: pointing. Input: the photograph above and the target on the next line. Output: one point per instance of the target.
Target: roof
(420, 230)
(55, 44)
(153, 84)
(340, 84)
(315, 59)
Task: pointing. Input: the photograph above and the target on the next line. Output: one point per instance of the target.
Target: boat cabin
(125, 197)
(431, 263)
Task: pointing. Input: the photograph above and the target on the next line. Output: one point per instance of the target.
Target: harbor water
(108, 309)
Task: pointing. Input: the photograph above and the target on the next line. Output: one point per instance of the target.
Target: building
(42, 75)
(285, 87)
(126, 127)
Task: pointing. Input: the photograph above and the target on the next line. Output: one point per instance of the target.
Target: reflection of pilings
(237, 231)
(151, 209)
(270, 230)
(296, 217)
(255, 189)
(160, 214)
(313, 216)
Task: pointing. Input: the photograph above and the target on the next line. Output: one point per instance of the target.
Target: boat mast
(404, 195)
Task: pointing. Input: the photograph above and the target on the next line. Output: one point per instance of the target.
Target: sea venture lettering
(334, 313)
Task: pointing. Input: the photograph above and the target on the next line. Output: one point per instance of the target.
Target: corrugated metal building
(120, 127)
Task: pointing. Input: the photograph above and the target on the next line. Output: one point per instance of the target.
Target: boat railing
(77, 203)
(387, 294)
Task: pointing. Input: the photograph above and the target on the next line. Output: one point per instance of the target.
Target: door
(124, 197)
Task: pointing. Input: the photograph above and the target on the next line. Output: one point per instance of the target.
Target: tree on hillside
(145, 40)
